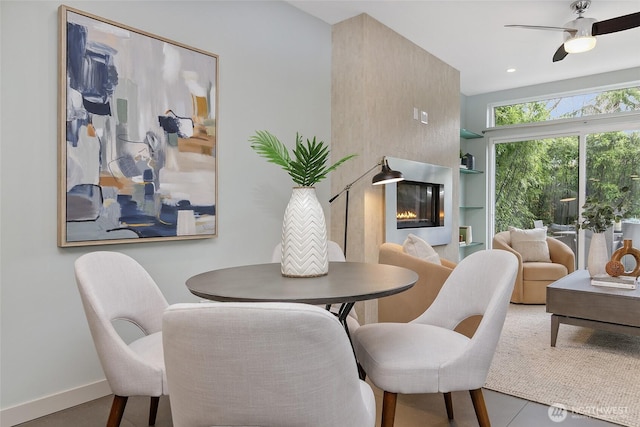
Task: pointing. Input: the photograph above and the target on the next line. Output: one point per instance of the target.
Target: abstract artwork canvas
(137, 135)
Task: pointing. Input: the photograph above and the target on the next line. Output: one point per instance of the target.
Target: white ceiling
(471, 37)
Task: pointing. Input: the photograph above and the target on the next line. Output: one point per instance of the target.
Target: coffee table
(572, 300)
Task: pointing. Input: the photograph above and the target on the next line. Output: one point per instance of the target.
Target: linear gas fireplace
(421, 204)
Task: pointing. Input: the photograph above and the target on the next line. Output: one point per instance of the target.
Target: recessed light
(511, 70)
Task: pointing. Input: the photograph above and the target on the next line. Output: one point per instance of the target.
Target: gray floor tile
(537, 415)
(412, 411)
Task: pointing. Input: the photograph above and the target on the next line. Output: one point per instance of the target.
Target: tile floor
(412, 411)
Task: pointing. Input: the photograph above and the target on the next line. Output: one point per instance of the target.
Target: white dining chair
(426, 355)
(113, 286)
(262, 364)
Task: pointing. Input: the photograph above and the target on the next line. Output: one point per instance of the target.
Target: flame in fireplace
(406, 215)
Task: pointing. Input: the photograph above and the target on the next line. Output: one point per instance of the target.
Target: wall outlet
(424, 117)
(415, 113)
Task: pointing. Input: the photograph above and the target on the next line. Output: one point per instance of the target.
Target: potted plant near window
(304, 230)
(598, 216)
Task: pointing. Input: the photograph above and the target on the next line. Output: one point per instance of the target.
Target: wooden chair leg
(153, 410)
(449, 404)
(388, 409)
(117, 410)
(481, 409)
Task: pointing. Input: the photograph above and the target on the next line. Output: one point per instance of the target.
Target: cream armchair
(408, 305)
(533, 277)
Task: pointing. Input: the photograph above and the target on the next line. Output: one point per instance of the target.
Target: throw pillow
(415, 246)
(530, 244)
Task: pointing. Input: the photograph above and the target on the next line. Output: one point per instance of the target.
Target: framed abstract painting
(137, 135)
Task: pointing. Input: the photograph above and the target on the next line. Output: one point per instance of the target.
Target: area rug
(589, 372)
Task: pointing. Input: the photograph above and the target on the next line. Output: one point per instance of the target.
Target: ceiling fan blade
(560, 54)
(543, 27)
(614, 25)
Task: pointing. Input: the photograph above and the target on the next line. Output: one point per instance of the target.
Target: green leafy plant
(598, 216)
(309, 163)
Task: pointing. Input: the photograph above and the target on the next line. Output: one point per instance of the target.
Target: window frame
(491, 107)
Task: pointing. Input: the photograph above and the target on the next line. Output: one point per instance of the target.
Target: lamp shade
(387, 175)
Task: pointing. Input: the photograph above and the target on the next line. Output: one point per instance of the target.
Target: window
(569, 106)
(544, 172)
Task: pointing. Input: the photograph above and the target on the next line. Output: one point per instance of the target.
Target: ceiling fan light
(580, 44)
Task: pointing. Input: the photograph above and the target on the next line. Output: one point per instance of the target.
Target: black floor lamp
(385, 176)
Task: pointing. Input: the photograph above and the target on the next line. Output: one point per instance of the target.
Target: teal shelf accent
(472, 171)
(467, 134)
(465, 245)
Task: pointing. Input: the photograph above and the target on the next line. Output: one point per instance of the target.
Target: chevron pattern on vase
(304, 236)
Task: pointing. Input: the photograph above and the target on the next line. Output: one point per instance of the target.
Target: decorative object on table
(137, 135)
(304, 230)
(627, 249)
(614, 268)
(598, 216)
(598, 255)
(622, 282)
(385, 176)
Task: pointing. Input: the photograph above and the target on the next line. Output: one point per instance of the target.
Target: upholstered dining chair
(335, 254)
(262, 364)
(113, 286)
(426, 355)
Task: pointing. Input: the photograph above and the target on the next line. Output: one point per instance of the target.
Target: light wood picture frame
(137, 134)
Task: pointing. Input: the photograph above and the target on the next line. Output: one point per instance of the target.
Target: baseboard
(53, 403)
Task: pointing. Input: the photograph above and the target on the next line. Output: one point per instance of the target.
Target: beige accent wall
(378, 78)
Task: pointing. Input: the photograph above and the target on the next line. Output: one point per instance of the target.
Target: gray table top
(580, 281)
(346, 282)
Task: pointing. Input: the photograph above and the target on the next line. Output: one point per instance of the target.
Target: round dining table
(345, 284)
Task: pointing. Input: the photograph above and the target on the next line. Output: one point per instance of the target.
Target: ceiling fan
(580, 34)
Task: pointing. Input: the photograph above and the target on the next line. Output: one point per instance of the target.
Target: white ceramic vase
(598, 255)
(304, 236)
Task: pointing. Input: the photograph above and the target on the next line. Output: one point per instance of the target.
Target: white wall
(274, 74)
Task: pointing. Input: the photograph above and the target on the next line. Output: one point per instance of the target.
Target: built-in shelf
(474, 171)
(471, 214)
(468, 245)
(467, 134)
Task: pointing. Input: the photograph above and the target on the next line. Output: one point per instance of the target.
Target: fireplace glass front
(420, 204)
